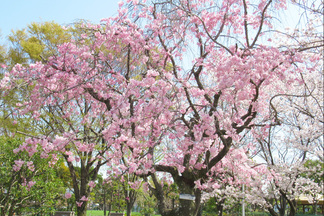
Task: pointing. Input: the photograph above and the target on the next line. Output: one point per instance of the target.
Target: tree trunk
(292, 210)
(315, 207)
(104, 203)
(293, 207)
(129, 209)
(82, 211)
(292, 203)
(132, 196)
(188, 207)
(272, 212)
(283, 205)
(109, 208)
(219, 206)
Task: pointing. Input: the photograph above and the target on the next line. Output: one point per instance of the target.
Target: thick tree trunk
(132, 196)
(292, 203)
(129, 210)
(315, 208)
(293, 207)
(82, 211)
(189, 207)
(283, 205)
(185, 185)
(272, 212)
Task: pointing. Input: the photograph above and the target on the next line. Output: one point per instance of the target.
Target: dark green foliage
(15, 194)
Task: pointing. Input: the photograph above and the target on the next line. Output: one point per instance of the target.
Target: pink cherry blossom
(92, 184)
(18, 165)
(30, 184)
(195, 81)
(30, 166)
(84, 198)
(79, 204)
(68, 195)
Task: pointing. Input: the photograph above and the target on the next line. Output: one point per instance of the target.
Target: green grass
(95, 213)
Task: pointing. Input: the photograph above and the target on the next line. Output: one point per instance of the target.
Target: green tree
(130, 193)
(109, 195)
(317, 176)
(27, 185)
(2, 54)
(36, 42)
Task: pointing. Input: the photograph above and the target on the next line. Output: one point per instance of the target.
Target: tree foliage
(37, 41)
(26, 186)
(203, 81)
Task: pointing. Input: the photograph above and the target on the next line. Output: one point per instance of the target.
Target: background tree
(28, 45)
(111, 193)
(315, 172)
(301, 133)
(2, 54)
(37, 41)
(29, 187)
(300, 113)
(130, 184)
(146, 202)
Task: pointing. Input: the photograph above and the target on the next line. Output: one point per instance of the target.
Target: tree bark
(293, 207)
(82, 211)
(129, 210)
(188, 207)
(104, 203)
(283, 205)
(220, 206)
(272, 212)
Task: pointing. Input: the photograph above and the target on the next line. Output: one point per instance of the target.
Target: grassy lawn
(94, 213)
(101, 213)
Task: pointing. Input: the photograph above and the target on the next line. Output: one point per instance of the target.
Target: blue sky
(17, 14)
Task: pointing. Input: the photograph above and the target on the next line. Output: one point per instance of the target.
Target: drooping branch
(246, 24)
(261, 23)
